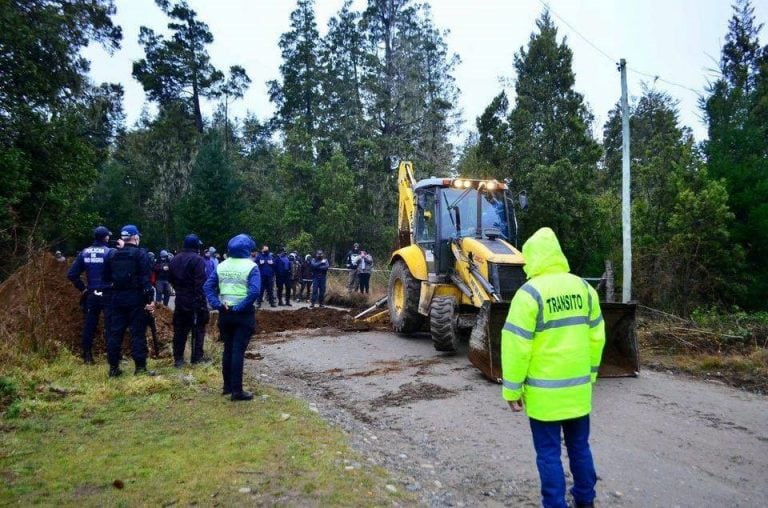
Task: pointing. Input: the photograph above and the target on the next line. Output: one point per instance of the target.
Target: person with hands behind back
(232, 290)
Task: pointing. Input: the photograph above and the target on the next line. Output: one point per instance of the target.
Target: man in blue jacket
(266, 263)
(91, 261)
(232, 290)
(319, 267)
(283, 277)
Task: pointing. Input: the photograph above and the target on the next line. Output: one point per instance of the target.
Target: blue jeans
(236, 329)
(546, 441)
(318, 290)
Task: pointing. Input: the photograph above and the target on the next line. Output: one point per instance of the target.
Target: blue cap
(101, 233)
(192, 242)
(129, 230)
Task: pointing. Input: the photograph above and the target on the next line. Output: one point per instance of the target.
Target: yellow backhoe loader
(456, 269)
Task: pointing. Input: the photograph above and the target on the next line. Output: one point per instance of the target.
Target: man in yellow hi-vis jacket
(551, 346)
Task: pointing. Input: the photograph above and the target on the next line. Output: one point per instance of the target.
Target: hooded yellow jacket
(553, 338)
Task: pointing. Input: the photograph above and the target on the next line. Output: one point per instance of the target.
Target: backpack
(125, 267)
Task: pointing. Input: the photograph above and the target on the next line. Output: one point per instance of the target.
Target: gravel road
(446, 435)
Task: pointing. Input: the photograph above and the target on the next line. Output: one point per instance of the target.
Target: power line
(606, 55)
(656, 77)
(614, 61)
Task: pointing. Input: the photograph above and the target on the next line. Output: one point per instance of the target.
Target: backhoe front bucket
(485, 341)
(620, 355)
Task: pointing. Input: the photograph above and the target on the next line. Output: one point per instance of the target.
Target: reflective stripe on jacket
(553, 339)
(233, 279)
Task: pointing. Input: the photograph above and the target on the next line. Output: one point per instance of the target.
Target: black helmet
(101, 233)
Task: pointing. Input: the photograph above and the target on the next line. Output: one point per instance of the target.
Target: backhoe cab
(457, 266)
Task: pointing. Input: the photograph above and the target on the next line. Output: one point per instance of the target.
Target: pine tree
(550, 120)
(545, 147)
(737, 149)
(297, 96)
(179, 69)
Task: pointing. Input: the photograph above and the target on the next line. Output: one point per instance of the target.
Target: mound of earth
(42, 309)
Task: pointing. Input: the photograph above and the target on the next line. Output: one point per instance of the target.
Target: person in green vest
(232, 289)
(551, 346)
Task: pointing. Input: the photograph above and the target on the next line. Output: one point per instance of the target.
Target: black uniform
(127, 271)
(187, 274)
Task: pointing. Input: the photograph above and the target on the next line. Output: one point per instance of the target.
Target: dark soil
(412, 392)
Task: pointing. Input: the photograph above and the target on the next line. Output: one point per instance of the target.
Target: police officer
(266, 262)
(232, 290)
(319, 267)
(162, 278)
(190, 313)
(283, 278)
(91, 261)
(126, 272)
(551, 347)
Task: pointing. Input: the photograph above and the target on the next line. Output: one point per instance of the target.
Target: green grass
(71, 436)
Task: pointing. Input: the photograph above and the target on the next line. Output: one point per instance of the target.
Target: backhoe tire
(443, 324)
(403, 300)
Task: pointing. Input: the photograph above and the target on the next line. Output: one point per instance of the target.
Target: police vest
(93, 262)
(233, 279)
(551, 346)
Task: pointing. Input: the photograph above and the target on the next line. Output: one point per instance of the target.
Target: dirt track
(445, 434)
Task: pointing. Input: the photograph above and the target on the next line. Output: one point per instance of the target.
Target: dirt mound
(283, 320)
(41, 311)
(412, 392)
(40, 306)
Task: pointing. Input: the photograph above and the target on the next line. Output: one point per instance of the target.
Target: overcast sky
(677, 40)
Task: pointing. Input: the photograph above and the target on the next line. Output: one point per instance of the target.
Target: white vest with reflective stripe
(233, 279)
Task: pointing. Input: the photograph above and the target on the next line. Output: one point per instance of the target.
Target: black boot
(177, 363)
(87, 358)
(115, 371)
(241, 396)
(141, 370)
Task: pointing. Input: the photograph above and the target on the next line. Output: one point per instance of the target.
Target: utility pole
(626, 219)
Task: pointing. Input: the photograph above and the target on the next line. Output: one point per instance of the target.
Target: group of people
(304, 279)
(124, 283)
(360, 265)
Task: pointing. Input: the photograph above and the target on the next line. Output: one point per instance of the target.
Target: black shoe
(288, 304)
(311, 305)
(241, 396)
(226, 392)
(272, 305)
(115, 372)
(142, 371)
(178, 364)
(280, 303)
(88, 358)
(202, 361)
(588, 505)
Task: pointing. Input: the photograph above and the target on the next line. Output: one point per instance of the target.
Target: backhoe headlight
(457, 184)
(467, 184)
(491, 185)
